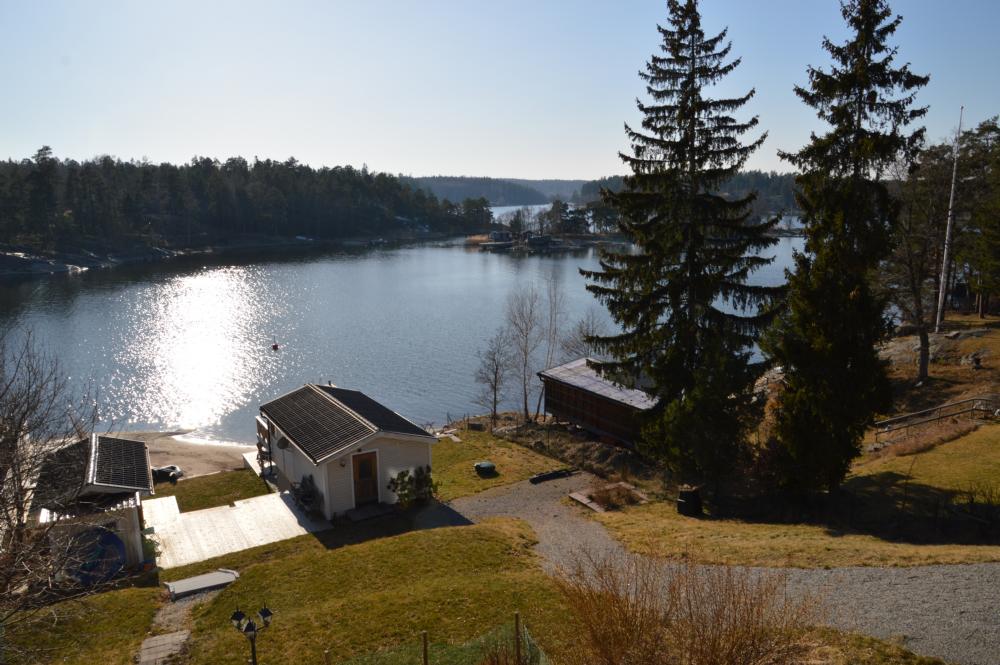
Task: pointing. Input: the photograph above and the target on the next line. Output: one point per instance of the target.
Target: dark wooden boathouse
(577, 393)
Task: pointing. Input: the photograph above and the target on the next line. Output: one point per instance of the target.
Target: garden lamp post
(249, 628)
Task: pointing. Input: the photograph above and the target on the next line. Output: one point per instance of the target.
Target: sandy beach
(194, 458)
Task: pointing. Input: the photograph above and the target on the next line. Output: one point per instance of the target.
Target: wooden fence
(525, 650)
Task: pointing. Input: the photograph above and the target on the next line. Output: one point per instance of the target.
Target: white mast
(943, 287)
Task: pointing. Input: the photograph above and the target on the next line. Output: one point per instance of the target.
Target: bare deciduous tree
(38, 419)
(492, 373)
(555, 313)
(522, 323)
(576, 343)
(910, 274)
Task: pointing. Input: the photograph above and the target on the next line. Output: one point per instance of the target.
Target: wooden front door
(365, 478)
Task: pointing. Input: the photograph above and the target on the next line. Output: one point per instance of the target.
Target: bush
(636, 611)
(411, 488)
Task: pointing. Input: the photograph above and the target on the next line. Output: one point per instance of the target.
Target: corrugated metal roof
(580, 374)
(120, 464)
(96, 473)
(324, 420)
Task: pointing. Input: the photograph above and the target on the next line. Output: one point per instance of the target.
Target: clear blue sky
(533, 88)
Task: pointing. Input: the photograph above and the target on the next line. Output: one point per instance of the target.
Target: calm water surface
(184, 346)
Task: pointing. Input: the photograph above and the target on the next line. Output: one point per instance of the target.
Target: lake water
(179, 345)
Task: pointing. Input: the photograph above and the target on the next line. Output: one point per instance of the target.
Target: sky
(518, 88)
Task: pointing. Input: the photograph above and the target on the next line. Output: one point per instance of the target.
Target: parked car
(169, 473)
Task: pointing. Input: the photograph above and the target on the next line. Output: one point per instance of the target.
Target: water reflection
(197, 347)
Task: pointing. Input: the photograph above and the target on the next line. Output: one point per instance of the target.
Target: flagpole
(943, 287)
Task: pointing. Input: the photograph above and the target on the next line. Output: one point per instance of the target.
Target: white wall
(393, 454)
(130, 531)
(294, 464)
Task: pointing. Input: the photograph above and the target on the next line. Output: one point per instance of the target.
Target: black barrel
(689, 501)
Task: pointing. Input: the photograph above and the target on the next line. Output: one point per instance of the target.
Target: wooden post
(424, 635)
(517, 638)
(326, 657)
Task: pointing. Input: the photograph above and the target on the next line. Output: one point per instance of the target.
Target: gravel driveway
(562, 531)
(952, 612)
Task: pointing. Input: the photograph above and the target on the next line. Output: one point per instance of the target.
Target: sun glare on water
(202, 349)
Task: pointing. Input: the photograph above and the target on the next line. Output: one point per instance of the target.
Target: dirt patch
(578, 448)
(175, 616)
(195, 458)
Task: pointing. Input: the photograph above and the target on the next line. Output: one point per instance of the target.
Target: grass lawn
(836, 648)
(973, 459)
(452, 463)
(107, 628)
(656, 528)
(456, 583)
(217, 489)
(368, 602)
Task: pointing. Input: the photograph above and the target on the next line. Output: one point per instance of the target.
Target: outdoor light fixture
(249, 628)
(265, 616)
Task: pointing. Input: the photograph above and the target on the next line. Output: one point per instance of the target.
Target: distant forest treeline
(775, 190)
(45, 199)
(495, 190)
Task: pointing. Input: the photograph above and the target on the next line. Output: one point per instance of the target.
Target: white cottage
(351, 445)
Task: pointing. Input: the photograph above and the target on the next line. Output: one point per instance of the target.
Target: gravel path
(562, 532)
(952, 612)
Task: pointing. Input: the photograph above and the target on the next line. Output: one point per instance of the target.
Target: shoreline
(19, 262)
(195, 457)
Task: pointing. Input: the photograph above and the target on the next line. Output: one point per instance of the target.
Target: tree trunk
(925, 353)
(524, 393)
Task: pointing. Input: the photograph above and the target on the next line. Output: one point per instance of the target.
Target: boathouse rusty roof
(581, 374)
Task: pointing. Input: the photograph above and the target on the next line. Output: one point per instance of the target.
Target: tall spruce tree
(827, 339)
(688, 317)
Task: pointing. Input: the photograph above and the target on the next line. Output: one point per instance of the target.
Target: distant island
(775, 190)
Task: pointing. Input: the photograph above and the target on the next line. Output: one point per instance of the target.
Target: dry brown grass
(500, 652)
(949, 380)
(637, 611)
(971, 459)
(613, 497)
(930, 436)
(453, 463)
(656, 529)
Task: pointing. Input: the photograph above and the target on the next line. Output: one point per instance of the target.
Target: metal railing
(986, 406)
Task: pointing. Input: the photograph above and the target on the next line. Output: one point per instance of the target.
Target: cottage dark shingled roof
(383, 418)
(323, 420)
